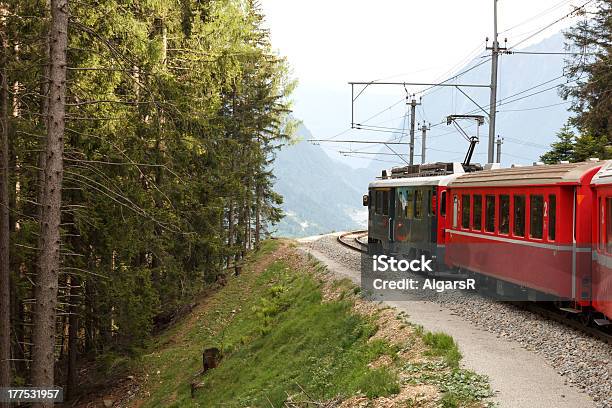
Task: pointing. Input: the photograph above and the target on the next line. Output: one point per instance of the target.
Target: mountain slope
(320, 194)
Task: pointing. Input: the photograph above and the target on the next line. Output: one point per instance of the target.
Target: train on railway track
(544, 231)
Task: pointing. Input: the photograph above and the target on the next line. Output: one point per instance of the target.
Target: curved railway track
(351, 240)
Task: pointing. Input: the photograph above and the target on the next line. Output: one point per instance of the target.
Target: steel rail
(599, 333)
(342, 239)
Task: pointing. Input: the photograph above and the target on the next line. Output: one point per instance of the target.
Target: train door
(441, 216)
(390, 200)
(380, 222)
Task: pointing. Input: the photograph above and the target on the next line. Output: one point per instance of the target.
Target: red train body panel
(601, 233)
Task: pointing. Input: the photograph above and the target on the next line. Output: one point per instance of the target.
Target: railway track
(351, 240)
(557, 315)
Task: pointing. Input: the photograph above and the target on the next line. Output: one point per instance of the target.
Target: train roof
(604, 175)
(564, 173)
(415, 181)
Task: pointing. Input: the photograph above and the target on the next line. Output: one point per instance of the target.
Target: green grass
(459, 387)
(443, 345)
(278, 338)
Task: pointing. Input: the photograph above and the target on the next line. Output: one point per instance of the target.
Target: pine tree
(591, 80)
(563, 150)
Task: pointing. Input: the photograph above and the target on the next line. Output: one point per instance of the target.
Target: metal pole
(352, 106)
(423, 142)
(493, 99)
(413, 105)
(424, 129)
(499, 142)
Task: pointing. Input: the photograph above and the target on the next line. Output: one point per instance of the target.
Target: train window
(465, 211)
(609, 225)
(400, 203)
(519, 216)
(410, 204)
(490, 213)
(478, 212)
(379, 200)
(504, 214)
(443, 204)
(536, 216)
(552, 217)
(455, 210)
(418, 206)
(385, 203)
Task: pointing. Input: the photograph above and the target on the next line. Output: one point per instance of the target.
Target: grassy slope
(280, 339)
(277, 336)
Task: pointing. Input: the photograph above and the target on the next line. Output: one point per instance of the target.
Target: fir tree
(562, 150)
(590, 82)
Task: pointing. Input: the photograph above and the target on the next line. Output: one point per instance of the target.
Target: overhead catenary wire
(377, 130)
(535, 17)
(535, 107)
(465, 60)
(533, 94)
(360, 152)
(549, 53)
(359, 141)
(370, 158)
(424, 91)
(384, 110)
(570, 14)
(505, 101)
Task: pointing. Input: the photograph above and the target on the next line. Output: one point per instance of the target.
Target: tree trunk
(247, 216)
(257, 216)
(43, 337)
(247, 225)
(5, 295)
(73, 322)
(230, 231)
(44, 111)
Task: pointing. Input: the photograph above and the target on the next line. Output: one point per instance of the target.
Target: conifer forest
(137, 139)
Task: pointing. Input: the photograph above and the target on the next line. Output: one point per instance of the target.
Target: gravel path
(584, 362)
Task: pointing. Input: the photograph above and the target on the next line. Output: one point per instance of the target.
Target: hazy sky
(331, 42)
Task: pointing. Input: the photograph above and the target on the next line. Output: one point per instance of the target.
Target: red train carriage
(602, 243)
(530, 226)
